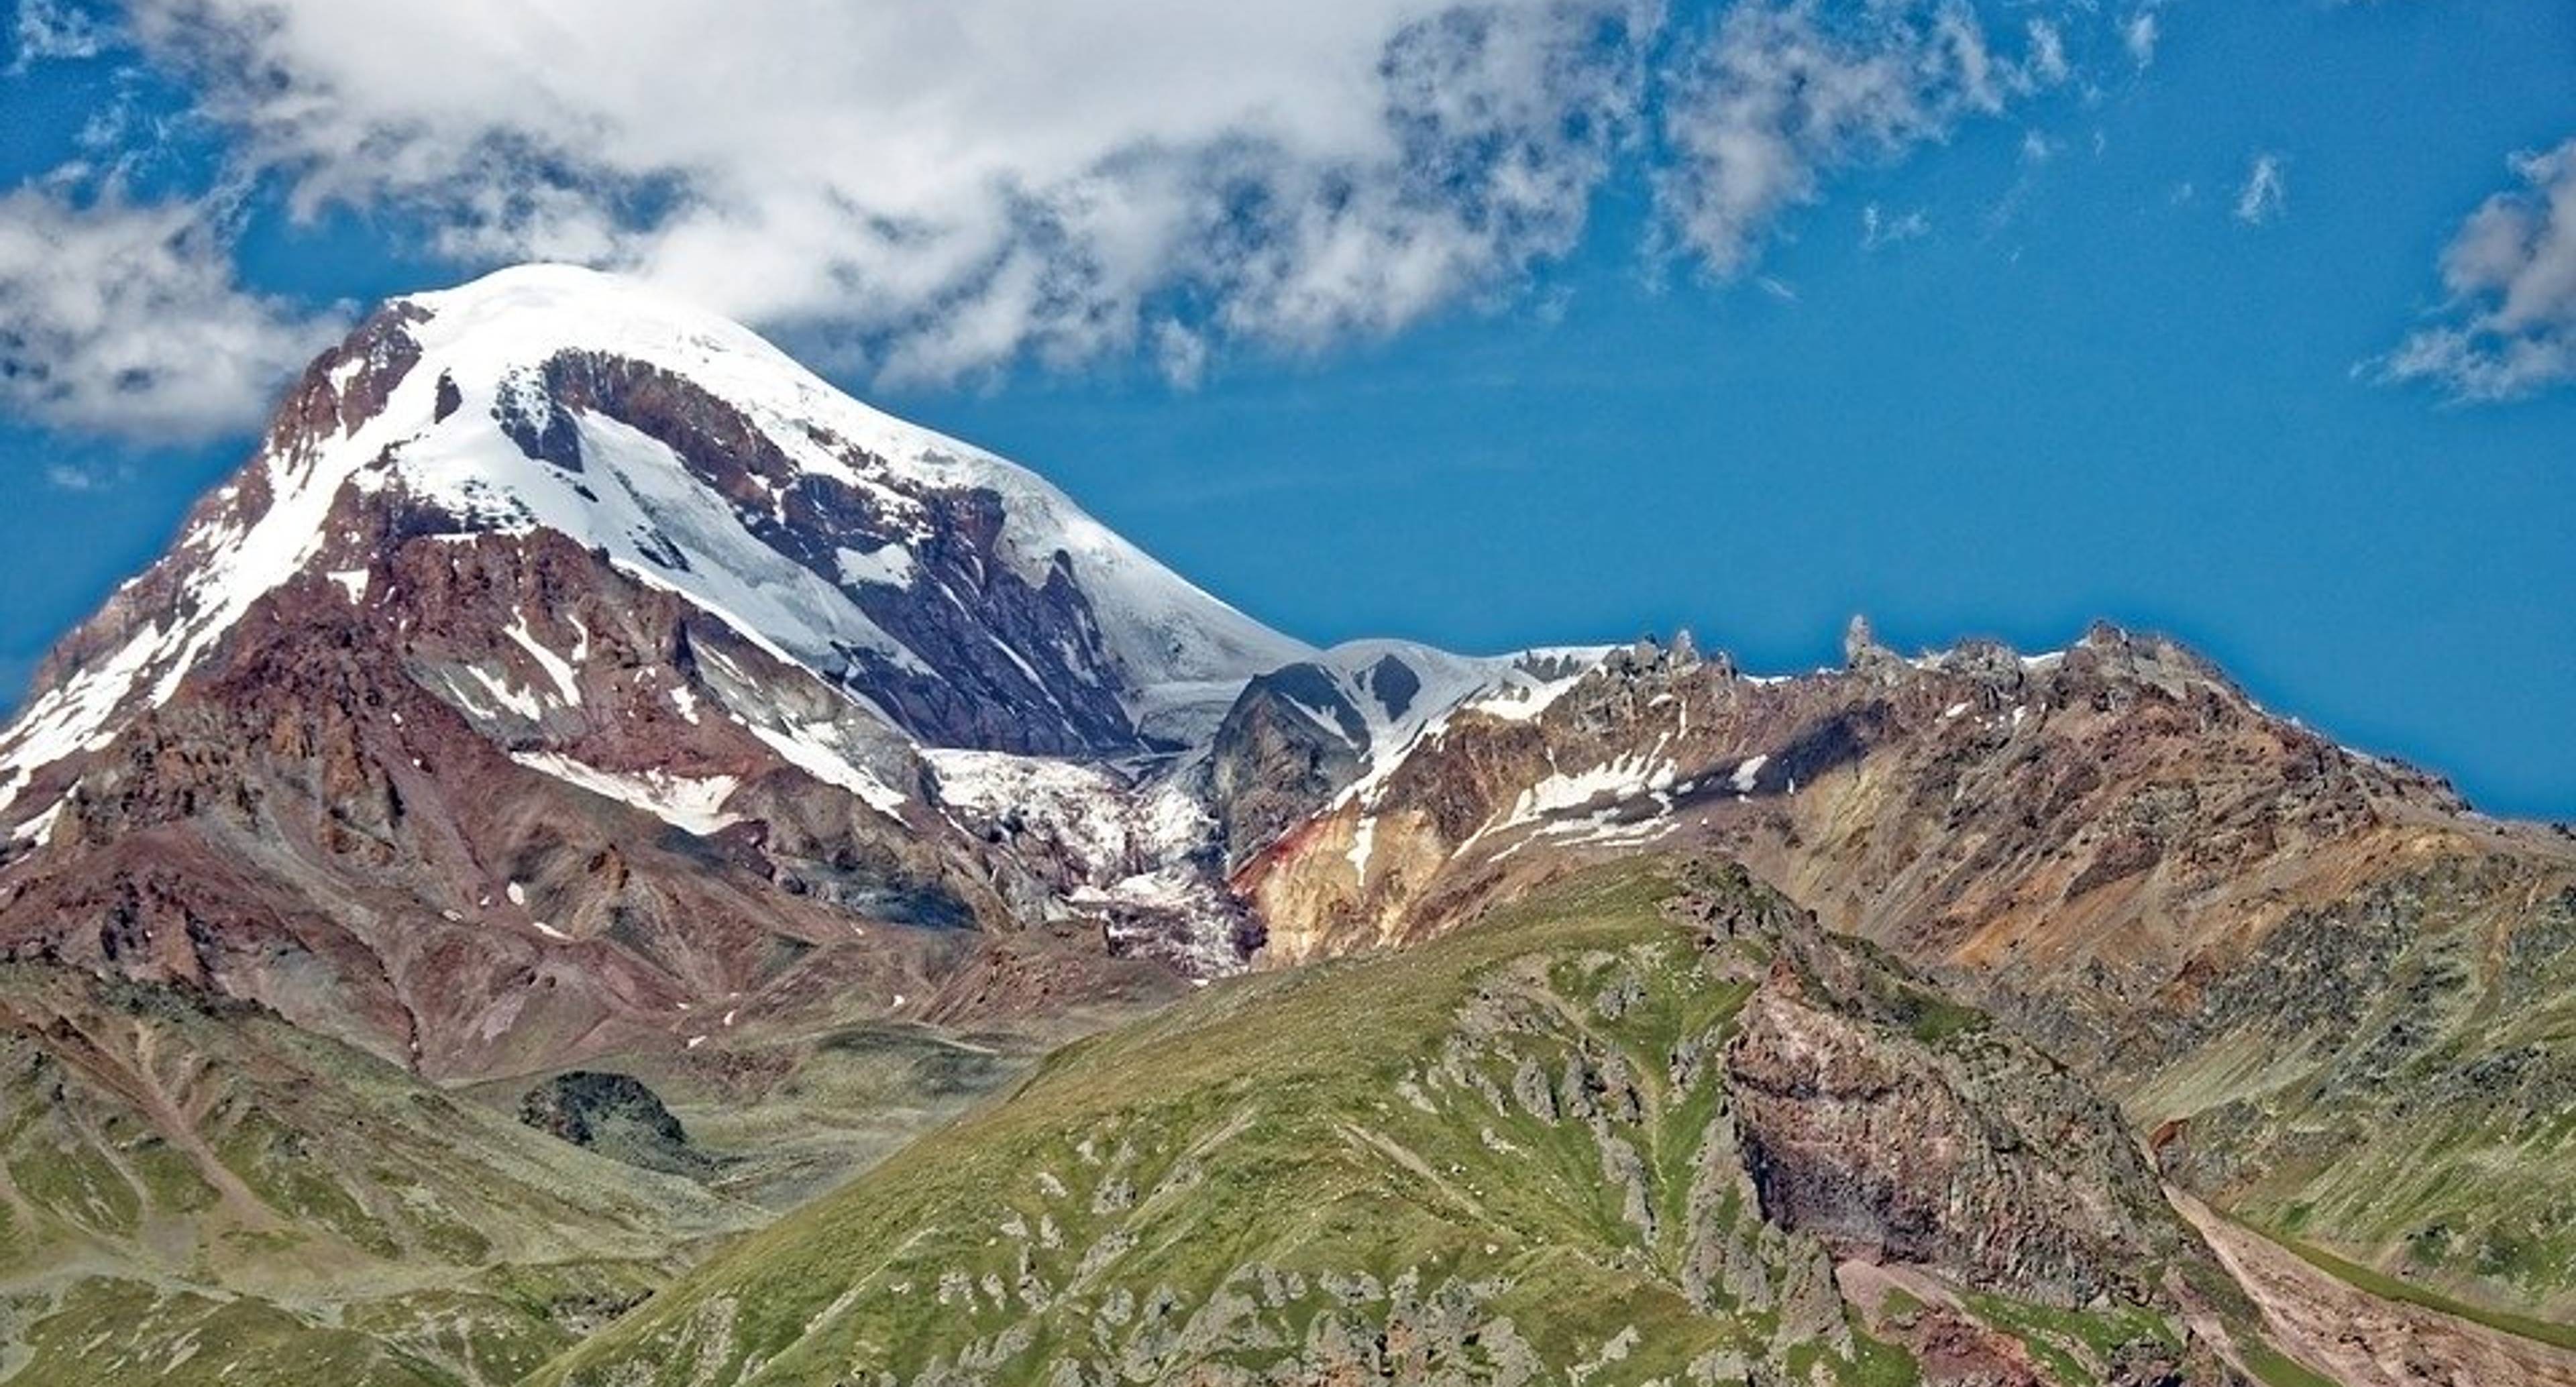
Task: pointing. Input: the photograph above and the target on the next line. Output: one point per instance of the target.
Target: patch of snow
(694, 805)
(74, 715)
(807, 747)
(1085, 809)
(891, 566)
(1748, 774)
(685, 699)
(1630, 776)
(1330, 725)
(1602, 828)
(557, 668)
(1513, 687)
(40, 829)
(1171, 887)
(1110, 827)
(1523, 699)
(525, 703)
(517, 893)
(1149, 846)
(352, 581)
(1363, 843)
(550, 931)
(1159, 628)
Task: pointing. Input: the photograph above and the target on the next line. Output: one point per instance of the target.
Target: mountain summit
(969, 601)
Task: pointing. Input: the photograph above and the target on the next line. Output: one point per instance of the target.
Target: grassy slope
(2427, 1134)
(1331, 1130)
(190, 1195)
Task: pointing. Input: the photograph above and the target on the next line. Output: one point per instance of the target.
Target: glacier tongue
(1144, 855)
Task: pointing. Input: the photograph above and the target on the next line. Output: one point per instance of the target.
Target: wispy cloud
(1880, 229)
(947, 189)
(55, 31)
(2139, 35)
(63, 476)
(2264, 197)
(2509, 327)
(2048, 64)
(1779, 95)
(125, 318)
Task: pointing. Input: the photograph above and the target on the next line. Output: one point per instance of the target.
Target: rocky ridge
(2280, 947)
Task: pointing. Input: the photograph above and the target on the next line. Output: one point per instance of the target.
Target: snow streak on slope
(693, 805)
(1398, 721)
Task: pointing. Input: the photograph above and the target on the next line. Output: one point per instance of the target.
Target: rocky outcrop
(1974, 1156)
(394, 822)
(1275, 762)
(616, 1116)
(1898, 1126)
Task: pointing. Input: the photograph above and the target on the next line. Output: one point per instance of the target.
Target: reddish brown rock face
(1969, 1155)
(314, 824)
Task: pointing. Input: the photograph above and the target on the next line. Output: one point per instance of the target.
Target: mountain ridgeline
(527, 886)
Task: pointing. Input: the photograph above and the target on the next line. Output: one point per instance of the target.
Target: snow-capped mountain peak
(963, 598)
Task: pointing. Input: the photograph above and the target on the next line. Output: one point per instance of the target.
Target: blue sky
(2223, 333)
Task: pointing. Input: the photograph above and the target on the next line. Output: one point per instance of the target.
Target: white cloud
(2048, 64)
(2139, 35)
(50, 31)
(1781, 93)
(1879, 229)
(124, 318)
(2265, 195)
(2511, 274)
(948, 188)
(924, 192)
